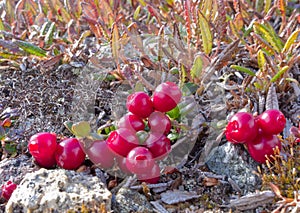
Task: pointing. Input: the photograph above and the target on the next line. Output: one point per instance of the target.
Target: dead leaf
(272, 100)
(177, 196)
(207, 181)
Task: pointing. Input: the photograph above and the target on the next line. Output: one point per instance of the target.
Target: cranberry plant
(259, 134)
(142, 138)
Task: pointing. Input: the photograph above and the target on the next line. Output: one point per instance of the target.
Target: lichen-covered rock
(232, 161)
(59, 190)
(15, 168)
(127, 200)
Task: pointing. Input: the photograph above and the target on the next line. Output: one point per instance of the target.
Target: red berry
(100, 154)
(271, 121)
(140, 104)
(42, 147)
(151, 176)
(121, 141)
(159, 122)
(131, 121)
(69, 154)
(166, 96)
(262, 146)
(139, 160)
(241, 128)
(159, 145)
(7, 189)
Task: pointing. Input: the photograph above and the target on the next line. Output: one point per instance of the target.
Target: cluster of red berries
(141, 136)
(7, 189)
(67, 154)
(259, 133)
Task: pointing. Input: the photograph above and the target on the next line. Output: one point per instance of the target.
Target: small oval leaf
(81, 129)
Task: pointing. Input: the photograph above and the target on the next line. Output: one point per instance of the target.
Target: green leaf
(30, 48)
(269, 35)
(267, 6)
(81, 129)
(49, 34)
(205, 33)
(280, 73)
(173, 136)
(142, 2)
(137, 12)
(290, 41)
(197, 67)
(207, 8)
(259, 5)
(68, 125)
(264, 44)
(9, 56)
(45, 27)
(243, 69)
(174, 113)
(189, 88)
(2, 28)
(275, 36)
(10, 148)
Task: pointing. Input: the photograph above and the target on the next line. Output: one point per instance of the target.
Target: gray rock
(127, 200)
(231, 160)
(14, 169)
(59, 190)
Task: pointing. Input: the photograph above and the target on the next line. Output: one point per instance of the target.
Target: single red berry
(159, 145)
(139, 160)
(100, 154)
(166, 96)
(131, 121)
(7, 189)
(69, 154)
(42, 147)
(122, 140)
(241, 128)
(159, 122)
(271, 121)
(262, 146)
(151, 176)
(140, 104)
